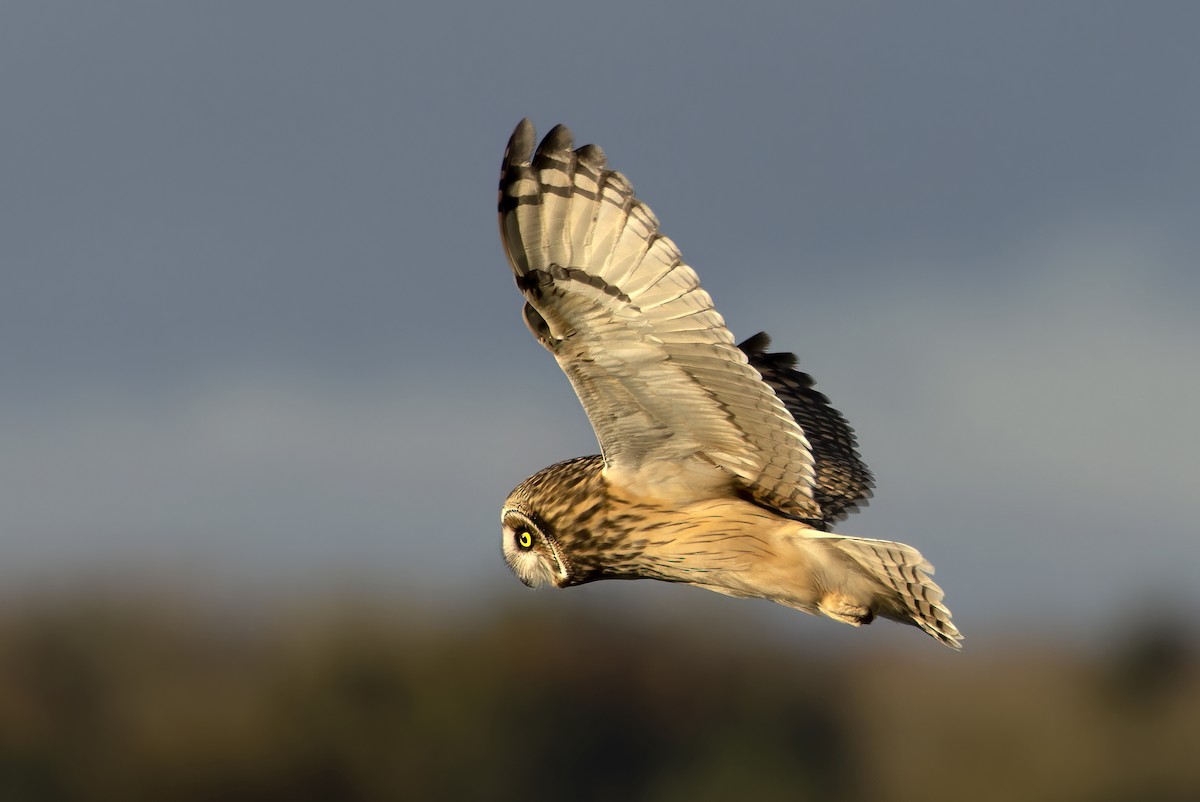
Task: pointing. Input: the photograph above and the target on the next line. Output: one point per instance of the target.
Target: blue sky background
(257, 334)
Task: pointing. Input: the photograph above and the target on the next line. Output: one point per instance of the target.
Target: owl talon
(840, 608)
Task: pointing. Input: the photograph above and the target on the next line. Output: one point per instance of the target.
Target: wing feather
(675, 404)
(843, 481)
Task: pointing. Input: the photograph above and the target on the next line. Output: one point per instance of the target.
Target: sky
(256, 329)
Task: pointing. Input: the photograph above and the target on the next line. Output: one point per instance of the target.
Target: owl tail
(910, 596)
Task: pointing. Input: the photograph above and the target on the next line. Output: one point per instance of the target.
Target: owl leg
(840, 607)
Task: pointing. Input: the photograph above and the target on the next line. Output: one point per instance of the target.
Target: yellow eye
(524, 539)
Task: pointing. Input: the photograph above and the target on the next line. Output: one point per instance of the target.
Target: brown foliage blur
(143, 698)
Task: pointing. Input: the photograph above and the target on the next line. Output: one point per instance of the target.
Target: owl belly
(740, 549)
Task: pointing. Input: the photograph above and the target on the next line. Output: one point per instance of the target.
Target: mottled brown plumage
(721, 466)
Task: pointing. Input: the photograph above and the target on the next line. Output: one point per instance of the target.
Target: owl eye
(524, 539)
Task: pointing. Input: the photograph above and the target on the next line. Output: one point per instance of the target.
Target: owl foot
(839, 607)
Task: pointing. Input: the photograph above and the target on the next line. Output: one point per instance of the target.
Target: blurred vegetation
(149, 698)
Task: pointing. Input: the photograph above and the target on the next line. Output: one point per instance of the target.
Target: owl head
(531, 551)
(551, 522)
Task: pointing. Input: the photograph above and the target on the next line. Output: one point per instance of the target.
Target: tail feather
(914, 597)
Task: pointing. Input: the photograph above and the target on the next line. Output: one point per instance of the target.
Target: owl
(721, 466)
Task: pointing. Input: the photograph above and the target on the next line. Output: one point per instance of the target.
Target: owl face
(531, 552)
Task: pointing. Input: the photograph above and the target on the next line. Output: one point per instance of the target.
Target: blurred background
(264, 386)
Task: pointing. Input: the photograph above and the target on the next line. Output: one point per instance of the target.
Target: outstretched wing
(843, 481)
(673, 401)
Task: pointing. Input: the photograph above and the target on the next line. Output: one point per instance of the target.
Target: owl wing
(843, 481)
(674, 402)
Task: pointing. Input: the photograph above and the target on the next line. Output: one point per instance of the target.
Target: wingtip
(593, 157)
(756, 344)
(559, 139)
(520, 144)
(521, 150)
(756, 347)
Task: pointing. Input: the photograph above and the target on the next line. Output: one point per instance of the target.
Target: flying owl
(720, 467)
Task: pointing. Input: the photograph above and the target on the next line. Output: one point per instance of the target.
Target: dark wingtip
(757, 344)
(520, 144)
(559, 139)
(756, 349)
(592, 156)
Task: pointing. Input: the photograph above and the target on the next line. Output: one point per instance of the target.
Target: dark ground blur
(144, 696)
